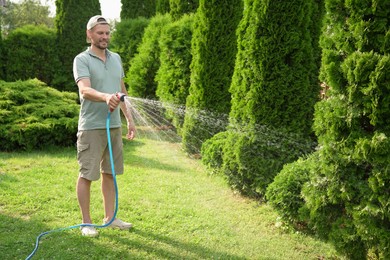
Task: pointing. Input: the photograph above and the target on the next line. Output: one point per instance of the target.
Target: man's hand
(112, 101)
(130, 131)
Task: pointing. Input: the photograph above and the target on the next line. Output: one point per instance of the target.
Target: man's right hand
(112, 101)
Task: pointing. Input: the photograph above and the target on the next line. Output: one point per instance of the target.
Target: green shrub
(212, 151)
(274, 89)
(127, 37)
(138, 8)
(35, 55)
(143, 67)
(34, 116)
(348, 198)
(285, 192)
(180, 7)
(252, 157)
(173, 76)
(214, 48)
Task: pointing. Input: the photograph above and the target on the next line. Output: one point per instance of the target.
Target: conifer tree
(71, 20)
(214, 47)
(180, 7)
(162, 6)
(135, 8)
(274, 89)
(348, 195)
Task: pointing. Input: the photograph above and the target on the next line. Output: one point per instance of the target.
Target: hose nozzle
(121, 96)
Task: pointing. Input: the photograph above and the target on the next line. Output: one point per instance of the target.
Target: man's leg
(108, 191)
(84, 197)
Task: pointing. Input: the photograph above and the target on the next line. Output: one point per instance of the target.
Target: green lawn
(179, 211)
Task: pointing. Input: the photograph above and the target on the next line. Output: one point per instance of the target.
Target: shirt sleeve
(80, 68)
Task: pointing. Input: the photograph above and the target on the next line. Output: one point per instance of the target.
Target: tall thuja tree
(348, 197)
(140, 77)
(180, 7)
(2, 60)
(173, 75)
(71, 20)
(274, 89)
(214, 47)
(135, 8)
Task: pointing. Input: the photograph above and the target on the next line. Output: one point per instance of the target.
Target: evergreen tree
(214, 47)
(274, 89)
(140, 77)
(2, 60)
(162, 6)
(127, 37)
(180, 7)
(71, 20)
(173, 76)
(135, 8)
(348, 196)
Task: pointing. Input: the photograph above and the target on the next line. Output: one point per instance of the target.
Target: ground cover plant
(179, 211)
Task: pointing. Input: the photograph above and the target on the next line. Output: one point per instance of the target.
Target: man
(99, 75)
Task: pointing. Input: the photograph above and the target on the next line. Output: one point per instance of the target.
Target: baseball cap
(95, 20)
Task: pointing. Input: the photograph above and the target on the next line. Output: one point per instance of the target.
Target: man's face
(99, 36)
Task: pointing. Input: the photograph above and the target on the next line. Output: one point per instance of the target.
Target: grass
(178, 210)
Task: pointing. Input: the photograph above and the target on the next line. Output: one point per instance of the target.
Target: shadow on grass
(158, 246)
(18, 236)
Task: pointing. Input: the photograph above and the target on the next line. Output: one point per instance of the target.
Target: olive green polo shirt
(105, 77)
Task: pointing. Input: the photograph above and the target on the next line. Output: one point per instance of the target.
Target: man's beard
(99, 46)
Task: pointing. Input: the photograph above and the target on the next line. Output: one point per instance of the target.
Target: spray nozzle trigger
(120, 96)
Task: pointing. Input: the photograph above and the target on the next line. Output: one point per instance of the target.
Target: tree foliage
(214, 47)
(127, 37)
(345, 196)
(162, 6)
(348, 198)
(71, 20)
(135, 8)
(274, 89)
(173, 75)
(180, 7)
(36, 44)
(27, 12)
(143, 67)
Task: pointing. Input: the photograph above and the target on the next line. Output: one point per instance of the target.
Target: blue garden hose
(116, 197)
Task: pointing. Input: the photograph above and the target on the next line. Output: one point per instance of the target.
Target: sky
(110, 8)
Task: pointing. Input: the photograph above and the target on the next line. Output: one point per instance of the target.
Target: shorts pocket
(83, 156)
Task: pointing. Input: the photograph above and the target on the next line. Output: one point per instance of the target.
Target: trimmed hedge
(34, 116)
(35, 56)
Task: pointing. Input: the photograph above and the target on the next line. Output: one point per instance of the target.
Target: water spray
(121, 97)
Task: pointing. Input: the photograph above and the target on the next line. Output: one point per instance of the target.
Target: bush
(127, 37)
(285, 192)
(143, 67)
(35, 55)
(34, 116)
(173, 76)
(214, 48)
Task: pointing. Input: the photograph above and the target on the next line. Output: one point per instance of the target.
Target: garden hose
(116, 195)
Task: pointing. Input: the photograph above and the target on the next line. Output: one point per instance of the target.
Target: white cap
(95, 20)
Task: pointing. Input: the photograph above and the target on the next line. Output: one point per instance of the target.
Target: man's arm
(89, 93)
(129, 118)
